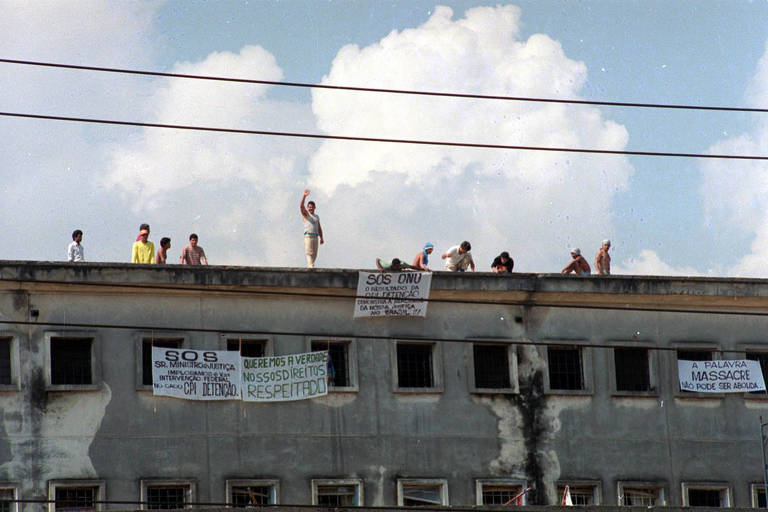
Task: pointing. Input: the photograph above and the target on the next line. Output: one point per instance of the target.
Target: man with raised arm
(313, 231)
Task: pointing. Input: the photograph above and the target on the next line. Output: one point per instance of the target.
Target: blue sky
(701, 52)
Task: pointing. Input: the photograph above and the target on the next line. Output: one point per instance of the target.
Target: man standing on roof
(143, 250)
(578, 266)
(603, 259)
(458, 258)
(193, 254)
(313, 231)
(75, 249)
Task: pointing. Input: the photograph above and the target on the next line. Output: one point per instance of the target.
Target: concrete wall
(121, 435)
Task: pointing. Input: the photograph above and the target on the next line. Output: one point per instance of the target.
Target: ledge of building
(183, 276)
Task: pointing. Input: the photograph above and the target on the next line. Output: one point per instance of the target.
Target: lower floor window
(422, 493)
(337, 493)
(7, 500)
(248, 496)
(167, 495)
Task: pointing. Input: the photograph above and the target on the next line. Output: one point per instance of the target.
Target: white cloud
(734, 191)
(535, 204)
(648, 262)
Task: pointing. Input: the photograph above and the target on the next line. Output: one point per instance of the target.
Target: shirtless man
(313, 231)
(603, 259)
(578, 266)
(421, 260)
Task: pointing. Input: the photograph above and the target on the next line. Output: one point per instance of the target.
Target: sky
(240, 192)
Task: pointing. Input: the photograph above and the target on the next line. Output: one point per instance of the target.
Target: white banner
(196, 374)
(393, 286)
(284, 378)
(720, 376)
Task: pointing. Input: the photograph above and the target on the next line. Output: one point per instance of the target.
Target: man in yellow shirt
(143, 249)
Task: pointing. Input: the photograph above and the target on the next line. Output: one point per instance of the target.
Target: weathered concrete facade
(116, 433)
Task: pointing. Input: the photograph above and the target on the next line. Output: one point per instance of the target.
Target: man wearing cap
(421, 260)
(143, 250)
(603, 259)
(578, 266)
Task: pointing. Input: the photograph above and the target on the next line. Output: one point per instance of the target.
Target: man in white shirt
(458, 258)
(313, 231)
(75, 250)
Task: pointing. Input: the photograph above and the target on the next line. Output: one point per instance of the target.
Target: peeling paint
(57, 437)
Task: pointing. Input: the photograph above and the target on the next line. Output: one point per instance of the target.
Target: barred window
(491, 366)
(249, 496)
(338, 364)
(7, 497)
(762, 357)
(502, 495)
(414, 365)
(6, 377)
(636, 496)
(71, 361)
(247, 347)
(565, 368)
(705, 498)
(632, 373)
(337, 493)
(74, 499)
(580, 494)
(166, 497)
(146, 354)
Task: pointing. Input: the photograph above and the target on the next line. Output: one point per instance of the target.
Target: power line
(325, 336)
(384, 90)
(379, 139)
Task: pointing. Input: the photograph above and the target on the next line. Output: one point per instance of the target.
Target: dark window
(491, 366)
(146, 355)
(5, 361)
(71, 361)
(166, 497)
(501, 494)
(338, 364)
(248, 348)
(631, 366)
(694, 355)
(422, 495)
(246, 496)
(704, 497)
(565, 368)
(6, 500)
(76, 498)
(761, 503)
(414, 365)
(763, 358)
(337, 495)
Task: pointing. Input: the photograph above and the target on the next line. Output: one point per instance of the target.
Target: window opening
(414, 365)
(491, 366)
(71, 361)
(565, 368)
(631, 366)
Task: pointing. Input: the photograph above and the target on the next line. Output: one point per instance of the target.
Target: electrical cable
(384, 90)
(323, 336)
(379, 139)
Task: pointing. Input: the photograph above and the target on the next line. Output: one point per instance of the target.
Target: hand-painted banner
(723, 376)
(285, 378)
(392, 294)
(196, 374)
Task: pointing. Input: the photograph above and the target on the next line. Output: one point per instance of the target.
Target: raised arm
(303, 208)
(378, 265)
